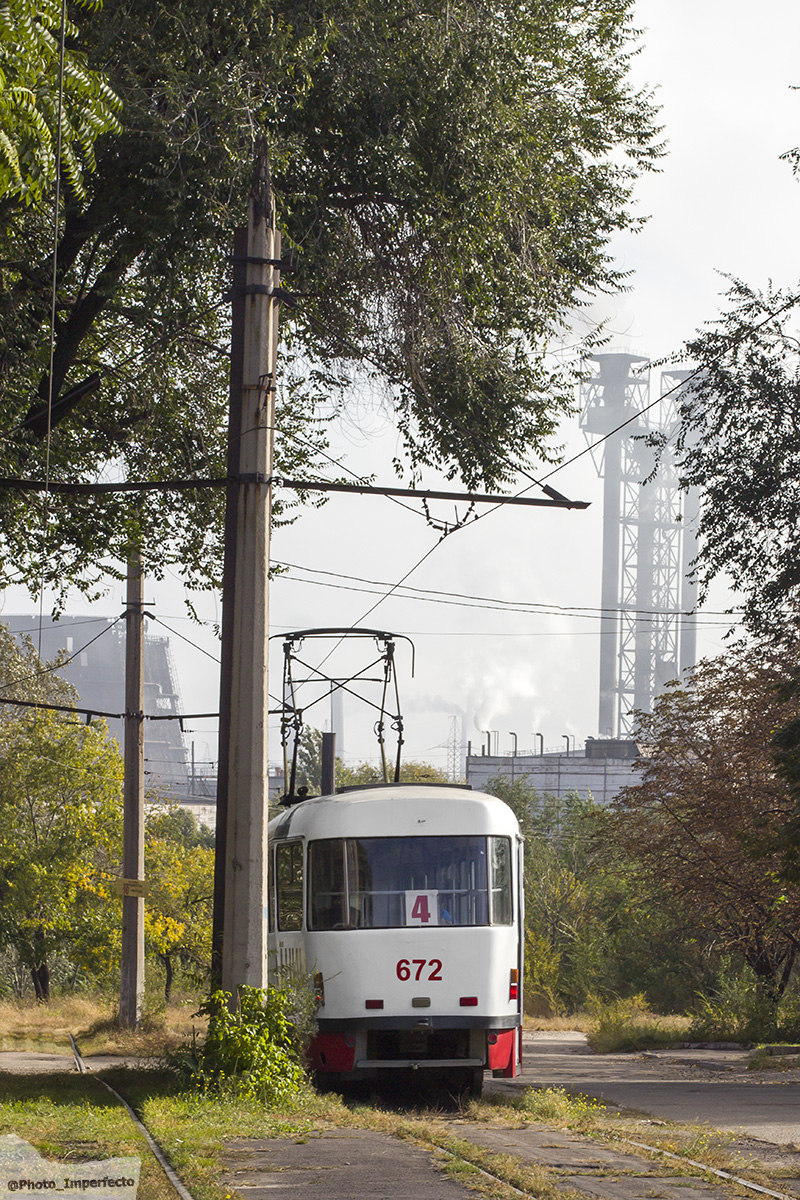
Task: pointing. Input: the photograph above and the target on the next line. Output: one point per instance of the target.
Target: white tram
(403, 902)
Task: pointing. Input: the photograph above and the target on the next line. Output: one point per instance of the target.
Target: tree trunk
(41, 982)
(40, 973)
(167, 961)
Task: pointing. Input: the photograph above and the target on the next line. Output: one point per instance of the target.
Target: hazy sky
(722, 202)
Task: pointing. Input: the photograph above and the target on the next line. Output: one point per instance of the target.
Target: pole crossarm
(428, 494)
(298, 485)
(114, 716)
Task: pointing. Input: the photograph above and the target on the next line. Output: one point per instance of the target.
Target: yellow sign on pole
(131, 887)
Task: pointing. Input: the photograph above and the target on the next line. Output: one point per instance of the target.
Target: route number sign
(422, 908)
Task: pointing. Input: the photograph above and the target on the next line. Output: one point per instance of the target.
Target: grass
(72, 1118)
(764, 1060)
(579, 1022)
(626, 1025)
(93, 1023)
(586, 1117)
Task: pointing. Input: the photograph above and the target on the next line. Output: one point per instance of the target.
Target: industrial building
(599, 770)
(95, 651)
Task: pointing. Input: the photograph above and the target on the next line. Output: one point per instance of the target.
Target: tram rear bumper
(366, 1050)
(433, 1021)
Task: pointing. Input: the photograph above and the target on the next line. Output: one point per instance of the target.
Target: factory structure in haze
(648, 597)
(647, 619)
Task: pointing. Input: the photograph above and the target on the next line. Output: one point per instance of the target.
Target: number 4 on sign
(422, 908)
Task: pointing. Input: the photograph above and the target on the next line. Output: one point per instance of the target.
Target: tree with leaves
(738, 443)
(447, 182)
(703, 829)
(60, 822)
(589, 930)
(60, 835)
(31, 109)
(179, 862)
(413, 771)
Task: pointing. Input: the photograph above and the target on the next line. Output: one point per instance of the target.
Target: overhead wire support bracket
(554, 500)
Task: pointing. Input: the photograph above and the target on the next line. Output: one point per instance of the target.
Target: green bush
(251, 1050)
(740, 1011)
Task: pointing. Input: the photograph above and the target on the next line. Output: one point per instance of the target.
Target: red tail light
(319, 988)
(513, 986)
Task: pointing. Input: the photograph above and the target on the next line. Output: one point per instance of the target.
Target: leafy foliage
(250, 1050)
(739, 1009)
(447, 182)
(179, 862)
(739, 443)
(29, 106)
(589, 930)
(703, 829)
(60, 827)
(309, 767)
(60, 822)
(412, 771)
(627, 1024)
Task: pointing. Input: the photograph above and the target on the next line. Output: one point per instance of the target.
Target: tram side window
(289, 885)
(327, 893)
(500, 866)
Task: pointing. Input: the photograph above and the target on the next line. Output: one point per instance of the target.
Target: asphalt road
(712, 1086)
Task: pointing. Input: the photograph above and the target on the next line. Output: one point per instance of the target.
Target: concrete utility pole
(132, 974)
(240, 884)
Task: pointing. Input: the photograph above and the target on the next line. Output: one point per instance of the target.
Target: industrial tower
(649, 539)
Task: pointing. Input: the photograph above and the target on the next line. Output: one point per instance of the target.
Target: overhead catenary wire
(608, 615)
(177, 484)
(183, 638)
(465, 599)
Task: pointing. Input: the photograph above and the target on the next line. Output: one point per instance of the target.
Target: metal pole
(240, 896)
(131, 992)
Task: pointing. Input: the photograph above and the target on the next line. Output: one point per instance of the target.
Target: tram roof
(419, 810)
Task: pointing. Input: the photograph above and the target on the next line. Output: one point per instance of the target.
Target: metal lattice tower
(649, 540)
(454, 749)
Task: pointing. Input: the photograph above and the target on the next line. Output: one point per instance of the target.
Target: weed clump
(558, 1105)
(628, 1025)
(251, 1050)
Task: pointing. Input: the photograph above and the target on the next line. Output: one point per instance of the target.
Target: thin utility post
(132, 974)
(240, 884)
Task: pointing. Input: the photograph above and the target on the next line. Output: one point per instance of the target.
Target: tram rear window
(383, 883)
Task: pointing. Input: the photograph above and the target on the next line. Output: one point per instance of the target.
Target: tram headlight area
(402, 905)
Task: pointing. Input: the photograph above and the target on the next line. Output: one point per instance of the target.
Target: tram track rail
(156, 1149)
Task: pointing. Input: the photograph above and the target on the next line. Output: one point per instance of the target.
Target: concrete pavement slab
(592, 1169)
(340, 1164)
